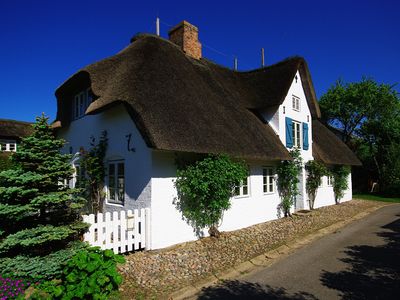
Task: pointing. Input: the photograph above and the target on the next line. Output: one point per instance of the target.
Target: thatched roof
(179, 103)
(329, 149)
(183, 104)
(13, 129)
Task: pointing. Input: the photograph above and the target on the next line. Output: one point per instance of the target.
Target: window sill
(115, 204)
(269, 194)
(241, 196)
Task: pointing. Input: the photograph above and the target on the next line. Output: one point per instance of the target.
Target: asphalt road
(360, 261)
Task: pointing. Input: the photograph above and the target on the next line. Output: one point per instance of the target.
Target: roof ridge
(16, 121)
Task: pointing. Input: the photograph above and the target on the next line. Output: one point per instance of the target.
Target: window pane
(111, 181)
(237, 190)
(121, 182)
(245, 190)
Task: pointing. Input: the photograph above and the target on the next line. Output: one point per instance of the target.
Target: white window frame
(296, 103)
(268, 180)
(116, 200)
(6, 145)
(297, 135)
(329, 180)
(81, 102)
(239, 190)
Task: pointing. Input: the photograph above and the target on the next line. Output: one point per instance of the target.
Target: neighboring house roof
(15, 129)
(328, 148)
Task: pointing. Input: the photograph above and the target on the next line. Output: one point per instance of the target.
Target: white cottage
(160, 100)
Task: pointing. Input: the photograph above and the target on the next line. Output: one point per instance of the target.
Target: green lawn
(375, 198)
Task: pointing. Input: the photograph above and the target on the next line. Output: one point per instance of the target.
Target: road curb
(266, 259)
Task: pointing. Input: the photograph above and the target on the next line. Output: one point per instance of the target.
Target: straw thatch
(12, 129)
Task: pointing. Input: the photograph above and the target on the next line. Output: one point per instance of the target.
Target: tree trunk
(214, 232)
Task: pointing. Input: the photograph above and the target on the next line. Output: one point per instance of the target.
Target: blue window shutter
(289, 132)
(305, 136)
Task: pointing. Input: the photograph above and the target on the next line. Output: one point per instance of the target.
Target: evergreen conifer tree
(39, 213)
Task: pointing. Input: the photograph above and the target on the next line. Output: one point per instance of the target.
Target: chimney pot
(186, 36)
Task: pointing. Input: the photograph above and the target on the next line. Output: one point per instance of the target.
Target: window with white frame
(79, 175)
(296, 103)
(81, 103)
(8, 146)
(329, 180)
(268, 180)
(296, 133)
(244, 188)
(116, 182)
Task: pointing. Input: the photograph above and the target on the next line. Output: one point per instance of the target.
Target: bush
(39, 268)
(288, 177)
(340, 183)
(89, 274)
(315, 171)
(5, 162)
(205, 188)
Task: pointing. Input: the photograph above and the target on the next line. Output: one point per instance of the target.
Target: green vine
(92, 162)
(316, 171)
(288, 178)
(340, 183)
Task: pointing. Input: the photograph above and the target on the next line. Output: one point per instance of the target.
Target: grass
(376, 198)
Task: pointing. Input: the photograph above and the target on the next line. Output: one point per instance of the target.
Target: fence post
(147, 229)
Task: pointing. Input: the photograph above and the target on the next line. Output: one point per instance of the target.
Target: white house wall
(303, 116)
(168, 226)
(118, 125)
(326, 196)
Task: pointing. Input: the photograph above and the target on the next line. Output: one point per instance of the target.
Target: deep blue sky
(42, 43)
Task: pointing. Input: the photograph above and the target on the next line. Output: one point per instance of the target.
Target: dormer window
(296, 103)
(81, 103)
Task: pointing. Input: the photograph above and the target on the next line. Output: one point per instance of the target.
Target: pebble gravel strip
(155, 274)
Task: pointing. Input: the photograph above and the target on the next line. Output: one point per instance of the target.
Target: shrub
(40, 268)
(340, 183)
(205, 188)
(315, 171)
(288, 177)
(89, 274)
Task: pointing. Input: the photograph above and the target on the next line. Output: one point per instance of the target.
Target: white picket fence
(121, 231)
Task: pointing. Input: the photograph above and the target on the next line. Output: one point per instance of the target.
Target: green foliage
(39, 214)
(316, 171)
(39, 268)
(288, 178)
(89, 274)
(367, 113)
(92, 162)
(205, 188)
(5, 161)
(340, 181)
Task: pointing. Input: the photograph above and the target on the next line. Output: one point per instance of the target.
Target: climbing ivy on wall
(288, 178)
(93, 166)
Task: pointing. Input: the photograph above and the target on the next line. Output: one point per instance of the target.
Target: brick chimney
(186, 36)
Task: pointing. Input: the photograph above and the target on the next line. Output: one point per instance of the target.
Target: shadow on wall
(373, 272)
(235, 289)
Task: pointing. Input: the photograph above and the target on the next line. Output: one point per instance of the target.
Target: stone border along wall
(159, 273)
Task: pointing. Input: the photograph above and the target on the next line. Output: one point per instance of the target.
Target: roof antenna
(262, 58)
(158, 26)
(235, 64)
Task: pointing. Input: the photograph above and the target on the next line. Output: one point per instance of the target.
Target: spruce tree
(39, 213)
